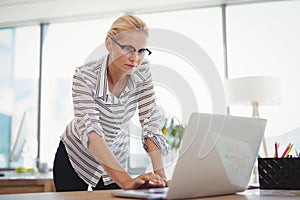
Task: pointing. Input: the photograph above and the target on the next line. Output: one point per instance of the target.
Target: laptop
(216, 157)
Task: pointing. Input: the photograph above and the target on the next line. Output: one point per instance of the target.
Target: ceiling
(28, 12)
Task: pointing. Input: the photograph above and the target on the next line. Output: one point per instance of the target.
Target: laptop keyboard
(156, 190)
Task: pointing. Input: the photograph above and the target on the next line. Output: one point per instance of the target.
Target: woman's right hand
(148, 180)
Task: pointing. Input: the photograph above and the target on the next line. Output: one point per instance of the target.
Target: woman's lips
(131, 66)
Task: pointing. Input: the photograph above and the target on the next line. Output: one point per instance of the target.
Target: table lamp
(255, 91)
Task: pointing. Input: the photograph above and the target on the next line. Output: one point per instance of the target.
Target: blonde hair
(127, 23)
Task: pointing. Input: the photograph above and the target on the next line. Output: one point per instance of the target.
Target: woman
(94, 148)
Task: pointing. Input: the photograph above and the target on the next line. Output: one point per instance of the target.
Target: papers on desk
(279, 192)
(275, 193)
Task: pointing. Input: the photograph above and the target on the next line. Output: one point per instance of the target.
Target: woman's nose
(134, 56)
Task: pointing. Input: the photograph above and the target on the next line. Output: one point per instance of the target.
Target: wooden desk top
(254, 194)
(12, 175)
(13, 183)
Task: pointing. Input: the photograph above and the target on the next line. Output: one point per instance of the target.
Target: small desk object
(105, 194)
(13, 183)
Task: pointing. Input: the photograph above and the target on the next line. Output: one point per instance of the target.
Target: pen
(286, 150)
(276, 150)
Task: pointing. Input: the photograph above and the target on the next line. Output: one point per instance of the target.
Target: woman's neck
(116, 81)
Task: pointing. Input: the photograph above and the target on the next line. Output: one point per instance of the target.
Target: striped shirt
(97, 109)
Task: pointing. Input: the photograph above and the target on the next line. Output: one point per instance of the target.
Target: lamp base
(256, 114)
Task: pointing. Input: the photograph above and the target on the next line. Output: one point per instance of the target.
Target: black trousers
(65, 177)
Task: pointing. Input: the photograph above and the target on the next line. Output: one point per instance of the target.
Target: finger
(159, 182)
(150, 177)
(140, 181)
(166, 182)
(156, 185)
(153, 180)
(143, 178)
(161, 179)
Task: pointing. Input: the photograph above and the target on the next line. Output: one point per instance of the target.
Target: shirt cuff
(158, 140)
(85, 126)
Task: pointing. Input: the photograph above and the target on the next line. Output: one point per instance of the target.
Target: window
(263, 39)
(19, 67)
(66, 46)
(204, 29)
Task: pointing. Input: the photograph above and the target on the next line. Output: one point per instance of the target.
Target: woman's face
(123, 50)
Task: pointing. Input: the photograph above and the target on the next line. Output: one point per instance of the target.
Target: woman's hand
(99, 149)
(148, 180)
(166, 181)
(162, 174)
(157, 163)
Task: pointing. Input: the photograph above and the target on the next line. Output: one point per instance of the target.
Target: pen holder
(279, 173)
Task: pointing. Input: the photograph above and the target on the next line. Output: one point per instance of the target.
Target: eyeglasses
(142, 53)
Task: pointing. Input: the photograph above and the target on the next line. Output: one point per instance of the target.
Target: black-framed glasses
(128, 49)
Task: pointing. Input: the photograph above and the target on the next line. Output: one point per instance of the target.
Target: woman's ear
(108, 44)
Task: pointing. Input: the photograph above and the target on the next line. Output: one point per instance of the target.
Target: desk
(105, 194)
(13, 183)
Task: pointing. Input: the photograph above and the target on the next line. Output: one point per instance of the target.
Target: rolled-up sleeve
(149, 115)
(85, 108)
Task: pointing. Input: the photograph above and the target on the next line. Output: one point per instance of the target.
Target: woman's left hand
(161, 174)
(166, 181)
(152, 180)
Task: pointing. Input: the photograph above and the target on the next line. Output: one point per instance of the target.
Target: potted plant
(173, 131)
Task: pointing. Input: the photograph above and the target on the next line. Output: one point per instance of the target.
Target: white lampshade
(264, 90)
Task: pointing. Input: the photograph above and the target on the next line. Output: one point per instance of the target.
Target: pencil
(286, 150)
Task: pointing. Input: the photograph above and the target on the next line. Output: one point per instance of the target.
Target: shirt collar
(102, 89)
(102, 84)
